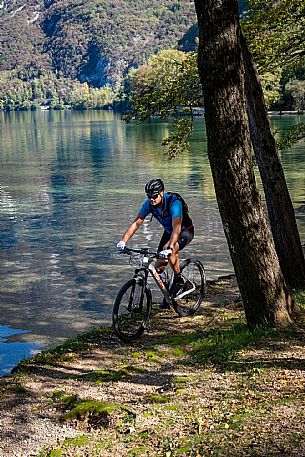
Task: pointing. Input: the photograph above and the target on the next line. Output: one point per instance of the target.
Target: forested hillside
(91, 40)
(77, 52)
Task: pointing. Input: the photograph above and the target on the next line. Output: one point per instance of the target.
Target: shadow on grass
(222, 348)
(221, 344)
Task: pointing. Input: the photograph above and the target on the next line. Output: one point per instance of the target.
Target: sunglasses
(152, 196)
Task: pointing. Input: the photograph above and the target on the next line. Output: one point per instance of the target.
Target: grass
(221, 346)
(68, 350)
(77, 408)
(154, 398)
(69, 443)
(105, 375)
(188, 388)
(84, 407)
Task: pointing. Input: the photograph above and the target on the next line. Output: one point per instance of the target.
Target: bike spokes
(188, 298)
(131, 311)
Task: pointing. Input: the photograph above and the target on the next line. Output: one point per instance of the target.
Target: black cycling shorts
(185, 237)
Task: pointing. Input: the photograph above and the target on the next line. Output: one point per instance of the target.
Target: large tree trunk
(281, 214)
(262, 286)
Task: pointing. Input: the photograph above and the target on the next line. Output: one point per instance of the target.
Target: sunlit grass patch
(77, 441)
(56, 453)
(155, 398)
(178, 352)
(93, 407)
(221, 346)
(182, 379)
(154, 355)
(100, 376)
(77, 408)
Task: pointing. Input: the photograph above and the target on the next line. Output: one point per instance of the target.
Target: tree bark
(262, 286)
(280, 210)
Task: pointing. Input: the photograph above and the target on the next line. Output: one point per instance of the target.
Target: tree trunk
(281, 213)
(262, 286)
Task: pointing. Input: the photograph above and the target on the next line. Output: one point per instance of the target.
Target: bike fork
(140, 283)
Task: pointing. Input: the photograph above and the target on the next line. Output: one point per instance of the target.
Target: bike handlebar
(143, 251)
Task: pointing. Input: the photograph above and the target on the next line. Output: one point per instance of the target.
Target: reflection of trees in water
(293, 159)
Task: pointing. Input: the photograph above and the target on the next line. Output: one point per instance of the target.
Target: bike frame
(148, 268)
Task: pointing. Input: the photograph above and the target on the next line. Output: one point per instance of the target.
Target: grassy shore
(196, 386)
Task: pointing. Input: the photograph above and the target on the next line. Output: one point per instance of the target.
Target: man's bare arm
(177, 222)
(132, 228)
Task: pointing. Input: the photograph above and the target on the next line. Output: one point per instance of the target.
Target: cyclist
(178, 228)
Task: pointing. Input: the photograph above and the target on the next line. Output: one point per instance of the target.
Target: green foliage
(21, 43)
(271, 87)
(294, 134)
(95, 40)
(77, 441)
(48, 90)
(299, 297)
(178, 140)
(167, 84)
(155, 398)
(275, 31)
(296, 89)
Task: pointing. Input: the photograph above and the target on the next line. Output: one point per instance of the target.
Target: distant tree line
(78, 47)
(166, 74)
(19, 92)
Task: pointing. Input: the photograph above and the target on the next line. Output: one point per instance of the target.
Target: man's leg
(174, 260)
(161, 264)
(185, 238)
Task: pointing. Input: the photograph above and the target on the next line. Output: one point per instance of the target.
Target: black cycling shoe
(177, 285)
(164, 305)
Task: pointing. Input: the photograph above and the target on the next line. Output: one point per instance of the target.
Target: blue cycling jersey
(163, 216)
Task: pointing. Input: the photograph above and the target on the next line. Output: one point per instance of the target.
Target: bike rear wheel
(131, 310)
(192, 292)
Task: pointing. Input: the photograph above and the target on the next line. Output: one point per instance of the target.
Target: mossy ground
(196, 386)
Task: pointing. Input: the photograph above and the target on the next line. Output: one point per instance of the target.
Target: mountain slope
(92, 40)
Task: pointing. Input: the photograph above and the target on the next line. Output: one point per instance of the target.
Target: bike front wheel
(131, 310)
(188, 299)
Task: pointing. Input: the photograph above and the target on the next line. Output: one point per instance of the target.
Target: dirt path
(190, 387)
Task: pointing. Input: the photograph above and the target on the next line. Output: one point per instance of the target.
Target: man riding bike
(167, 208)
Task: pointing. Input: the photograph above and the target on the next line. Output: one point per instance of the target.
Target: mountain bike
(133, 304)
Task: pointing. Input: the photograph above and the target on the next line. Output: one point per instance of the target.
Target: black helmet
(153, 186)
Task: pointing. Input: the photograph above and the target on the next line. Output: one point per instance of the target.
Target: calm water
(70, 183)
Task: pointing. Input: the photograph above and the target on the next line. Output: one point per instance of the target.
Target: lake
(70, 183)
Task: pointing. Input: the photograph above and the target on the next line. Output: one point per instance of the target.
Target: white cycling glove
(121, 246)
(164, 254)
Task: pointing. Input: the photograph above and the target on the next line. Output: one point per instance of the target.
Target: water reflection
(12, 351)
(70, 184)
(293, 161)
